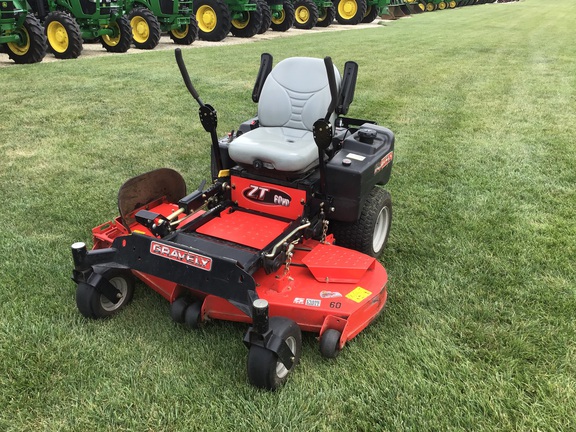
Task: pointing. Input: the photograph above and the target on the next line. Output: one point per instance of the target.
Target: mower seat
(295, 95)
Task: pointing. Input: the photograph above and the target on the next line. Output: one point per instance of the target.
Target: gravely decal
(181, 255)
(383, 162)
(264, 195)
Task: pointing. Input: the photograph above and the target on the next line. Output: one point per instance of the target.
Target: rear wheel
(145, 28)
(369, 234)
(305, 14)
(265, 370)
(284, 20)
(430, 7)
(350, 12)
(92, 304)
(326, 16)
(213, 19)
(185, 34)
(371, 14)
(249, 24)
(442, 5)
(63, 35)
(121, 39)
(32, 47)
(266, 16)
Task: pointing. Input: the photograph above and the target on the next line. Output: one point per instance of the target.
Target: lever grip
(333, 89)
(185, 76)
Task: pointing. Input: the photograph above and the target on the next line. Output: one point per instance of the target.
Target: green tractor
(150, 18)
(352, 12)
(432, 5)
(68, 22)
(282, 15)
(310, 13)
(217, 18)
(21, 34)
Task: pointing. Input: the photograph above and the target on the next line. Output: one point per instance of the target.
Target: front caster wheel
(265, 370)
(94, 305)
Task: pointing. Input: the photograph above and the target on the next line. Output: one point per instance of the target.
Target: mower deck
(324, 286)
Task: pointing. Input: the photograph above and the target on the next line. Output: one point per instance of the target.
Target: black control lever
(207, 113)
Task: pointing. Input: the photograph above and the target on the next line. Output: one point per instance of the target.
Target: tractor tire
(250, 23)
(122, 41)
(371, 14)
(266, 16)
(369, 234)
(186, 34)
(326, 17)
(32, 49)
(442, 5)
(285, 21)
(265, 370)
(145, 28)
(350, 12)
(214, 21)
(305, 14)
(63, 35)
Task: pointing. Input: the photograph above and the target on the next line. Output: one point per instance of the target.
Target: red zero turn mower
(287, 236)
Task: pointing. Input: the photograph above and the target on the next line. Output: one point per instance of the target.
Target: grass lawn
(479, 330)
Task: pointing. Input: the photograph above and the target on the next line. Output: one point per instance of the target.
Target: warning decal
(358, 294)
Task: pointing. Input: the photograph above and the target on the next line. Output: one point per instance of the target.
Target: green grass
(479, 330)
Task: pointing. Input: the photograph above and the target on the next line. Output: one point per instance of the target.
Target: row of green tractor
(30, 28)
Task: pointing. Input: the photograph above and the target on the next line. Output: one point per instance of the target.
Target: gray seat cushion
(294, 96)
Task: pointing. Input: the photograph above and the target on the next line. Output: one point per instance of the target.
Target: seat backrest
(296, 94)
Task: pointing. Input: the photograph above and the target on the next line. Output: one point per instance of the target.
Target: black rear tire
(186, 34)
(369, 234)
(371, 14)
(145, 28)
(123, 39)
(250, 23)
(326, 16)
(305, 14)
(264, 368)
(213, 18)
(266, 16)
(63, 35)
(350, 12)
(286, 21)
(32, 49)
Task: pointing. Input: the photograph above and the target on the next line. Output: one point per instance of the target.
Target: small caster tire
(178, 308)
(330, 343)
(192, 315)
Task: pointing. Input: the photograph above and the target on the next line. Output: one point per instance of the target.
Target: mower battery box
(364, 161)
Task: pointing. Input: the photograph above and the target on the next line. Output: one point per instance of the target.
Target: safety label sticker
(358, 294)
